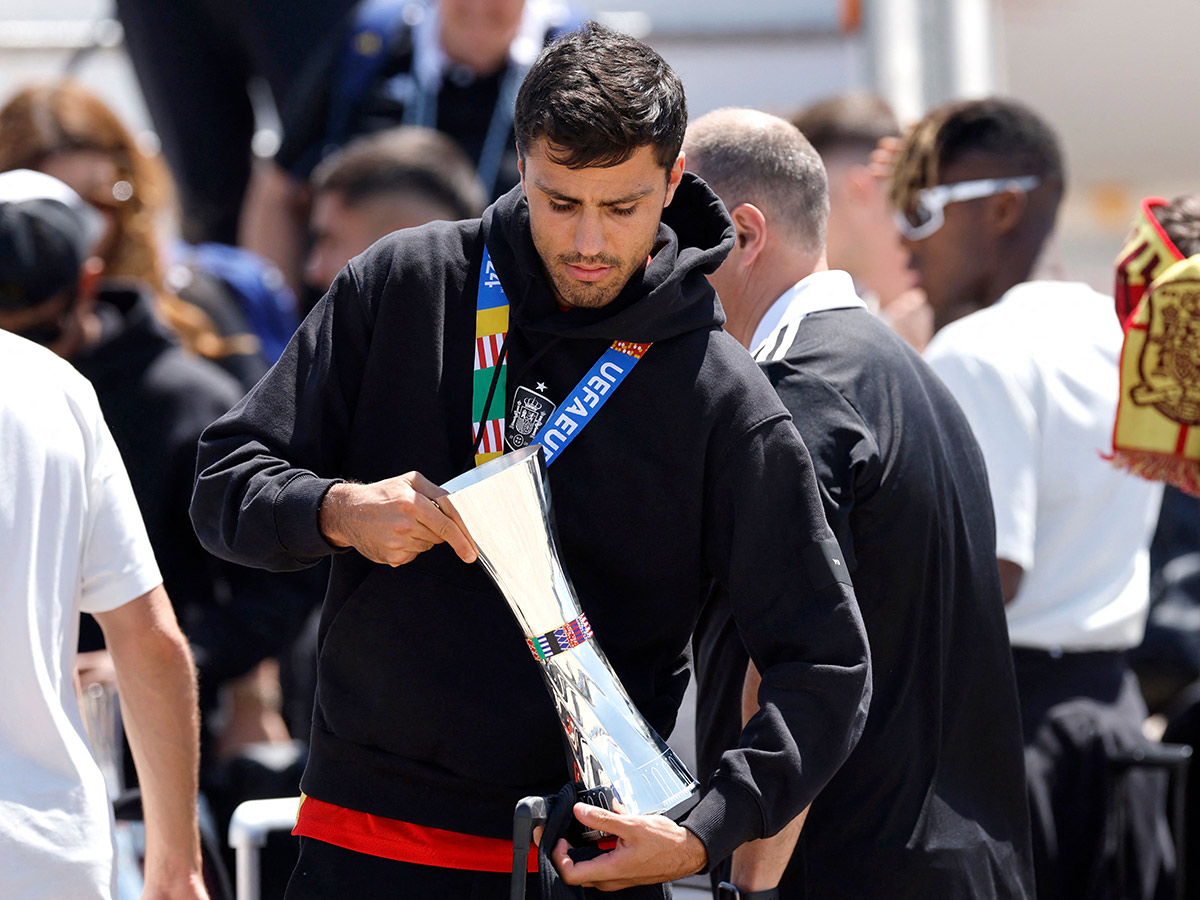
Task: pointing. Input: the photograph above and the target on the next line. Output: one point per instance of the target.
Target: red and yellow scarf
(1158, 301)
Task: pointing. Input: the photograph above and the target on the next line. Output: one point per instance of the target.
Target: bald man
(932, 801)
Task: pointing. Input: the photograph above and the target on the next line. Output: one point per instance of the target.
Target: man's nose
(589, 234)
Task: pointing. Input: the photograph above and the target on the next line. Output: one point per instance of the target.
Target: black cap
(46, 233)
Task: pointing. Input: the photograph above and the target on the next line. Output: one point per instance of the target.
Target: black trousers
(327, 872)
(1099, 829)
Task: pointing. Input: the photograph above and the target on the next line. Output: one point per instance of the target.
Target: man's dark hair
(407, 161)
(1010, 133)
(854, 122)
(1181, 221)
(596, 96)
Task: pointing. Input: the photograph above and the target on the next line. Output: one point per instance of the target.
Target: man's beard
(584, 295)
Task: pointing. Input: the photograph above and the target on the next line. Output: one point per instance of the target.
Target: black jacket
(931, 803)
(430, 707)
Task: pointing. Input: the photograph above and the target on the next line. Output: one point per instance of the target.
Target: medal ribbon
(580, 407)
(491, 329)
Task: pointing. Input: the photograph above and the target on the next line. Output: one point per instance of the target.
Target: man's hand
(883, 157)
(650, 850)
(392, 521)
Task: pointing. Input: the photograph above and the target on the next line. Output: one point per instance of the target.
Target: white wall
(1119, 81)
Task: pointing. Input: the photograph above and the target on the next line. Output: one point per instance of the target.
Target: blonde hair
(917, 165)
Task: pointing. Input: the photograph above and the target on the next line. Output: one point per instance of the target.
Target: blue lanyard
(592, 391)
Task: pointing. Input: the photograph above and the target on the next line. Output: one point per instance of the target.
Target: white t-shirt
(1036, 375)
(73, 540)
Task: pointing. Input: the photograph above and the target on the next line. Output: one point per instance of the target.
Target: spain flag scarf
(1158, 302)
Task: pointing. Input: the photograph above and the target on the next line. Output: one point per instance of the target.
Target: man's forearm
(157, 685)
(759, 865)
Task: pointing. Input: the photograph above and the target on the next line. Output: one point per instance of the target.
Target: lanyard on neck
(489, 390)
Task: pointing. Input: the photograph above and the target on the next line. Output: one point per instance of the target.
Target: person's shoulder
(1032, 305)
(729, 380)
(843, 347)
(34, 365)
(850, 364)
(853, 334)
(1071, 312)
(1044, 322)
(49, 385)
(996, 334)
(181, 385)
(430, 251)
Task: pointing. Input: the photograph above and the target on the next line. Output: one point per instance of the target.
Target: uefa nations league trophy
(505, 505)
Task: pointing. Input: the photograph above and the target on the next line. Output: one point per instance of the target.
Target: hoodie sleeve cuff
(724, 819)
(297, 516)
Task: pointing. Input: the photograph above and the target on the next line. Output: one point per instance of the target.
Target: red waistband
(404, 841)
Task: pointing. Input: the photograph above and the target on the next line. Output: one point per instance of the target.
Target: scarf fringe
(1175, 470)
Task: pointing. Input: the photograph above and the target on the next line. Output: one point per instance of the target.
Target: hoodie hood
(670, 296)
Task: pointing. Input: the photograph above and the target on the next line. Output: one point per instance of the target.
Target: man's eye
(561, 207)
(624, 210)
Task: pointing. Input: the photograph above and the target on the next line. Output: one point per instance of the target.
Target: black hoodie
(430, 708)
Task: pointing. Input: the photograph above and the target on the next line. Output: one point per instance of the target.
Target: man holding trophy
(577, 309)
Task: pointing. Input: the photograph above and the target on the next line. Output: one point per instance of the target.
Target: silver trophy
(505, 505)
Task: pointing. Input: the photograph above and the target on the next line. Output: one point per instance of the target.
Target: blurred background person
(452, 65)
(74, 541)
(862, 237)
(376, 184)
(197, 63)
(65, 130)
(1034, 365)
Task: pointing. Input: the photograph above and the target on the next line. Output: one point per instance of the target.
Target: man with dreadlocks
(1034, 366)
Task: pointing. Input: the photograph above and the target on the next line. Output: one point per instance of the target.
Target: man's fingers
(883, 158)
(443, 519)
(600, 819)
(562, 861)
(449, 527)
(588, 873)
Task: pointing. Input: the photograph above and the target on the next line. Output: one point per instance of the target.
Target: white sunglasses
(926, 215)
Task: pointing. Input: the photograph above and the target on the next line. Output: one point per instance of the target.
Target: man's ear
(1006, 212)
(674, 176)
(521, 166)
(751, 227)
